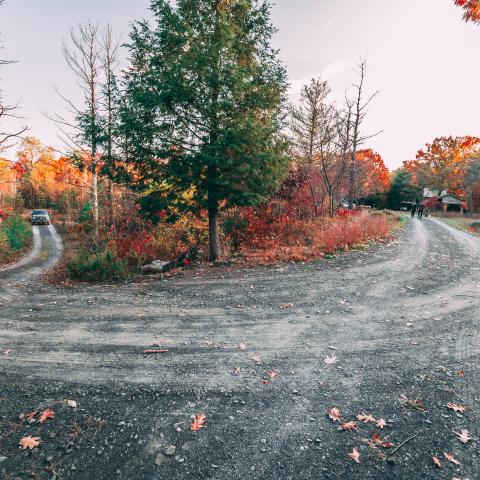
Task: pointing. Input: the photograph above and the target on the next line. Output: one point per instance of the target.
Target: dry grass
(303, 241)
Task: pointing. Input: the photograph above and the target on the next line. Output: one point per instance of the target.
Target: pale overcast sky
(421, 55)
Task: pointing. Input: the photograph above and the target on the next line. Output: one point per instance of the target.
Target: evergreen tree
(401, 189)
(203, 107)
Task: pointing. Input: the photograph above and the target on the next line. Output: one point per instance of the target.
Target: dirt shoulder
(401, 320)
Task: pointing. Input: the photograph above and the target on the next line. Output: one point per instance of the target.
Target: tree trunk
(352, 180)
(331, 205)
(213, 231)
(110, 203)
(95, 204)
(312, 193)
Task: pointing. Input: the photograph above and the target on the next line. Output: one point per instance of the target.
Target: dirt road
(402, 321)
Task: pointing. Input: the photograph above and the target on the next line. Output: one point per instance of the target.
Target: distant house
(446, 201)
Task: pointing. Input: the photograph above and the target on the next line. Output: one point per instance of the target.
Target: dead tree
(331, 158)
(307, 127)
(83, 56)
(8, 112)
(109, 57)
(359, 106)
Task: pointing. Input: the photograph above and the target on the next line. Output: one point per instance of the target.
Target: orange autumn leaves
(471, 10)
(198, 422)
(29, 442)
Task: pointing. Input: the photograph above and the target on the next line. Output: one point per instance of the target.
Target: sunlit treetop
(471, 10)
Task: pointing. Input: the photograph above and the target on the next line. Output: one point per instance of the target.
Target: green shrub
(97, 267)
(18, 232)
(4, 247)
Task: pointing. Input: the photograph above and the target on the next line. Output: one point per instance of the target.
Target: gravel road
(401, 320)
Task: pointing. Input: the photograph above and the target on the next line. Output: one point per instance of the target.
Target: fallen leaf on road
(464, 436)
(272, 373)
(29, 442)
(241, 346)
(46, 415)
(355, 455)
(456, 407)
(330, 360)
(31, 415)
(159, 350)
(451, 458)
(209, 343)
(198, 422)
(334, 414)
(8, 351)
(381, 423)
(265, 382)
(285, 306)
(349, 426)
(461, 373)
(437, 462)
(365, 418)
(237, 371)
(256, 358)
(71, 403)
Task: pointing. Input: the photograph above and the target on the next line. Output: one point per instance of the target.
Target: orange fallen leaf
(273, 373)
(437, 462)
(265, 382)
(241, 346)
(330, 360)
(198, 422)
(456, 407)
(464, 436)
(451, 458)
(461, 373)
(256, 358)
(355, 455)
(237, 371)
(365, 418)
(285, 306)
(334, 414)
(381, 423)
(349, 426)
(29, 442)
(46, 415)
(31, 415)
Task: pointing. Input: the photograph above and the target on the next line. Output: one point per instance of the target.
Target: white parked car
(40, 217)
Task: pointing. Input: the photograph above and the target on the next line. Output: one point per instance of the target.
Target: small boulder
(162, 459)
(171, 450)
(157, 266)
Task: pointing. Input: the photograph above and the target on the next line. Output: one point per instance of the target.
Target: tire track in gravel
(356, 307)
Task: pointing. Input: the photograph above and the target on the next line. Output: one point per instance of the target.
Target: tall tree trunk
(312, 193)
(352, 179)
(213, 230)
(95, 204)
(111, 196)
(331, 205)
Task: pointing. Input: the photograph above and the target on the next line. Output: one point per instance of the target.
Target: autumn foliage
(471, 10)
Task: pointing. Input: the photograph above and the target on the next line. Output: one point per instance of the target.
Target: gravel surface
(401, 321)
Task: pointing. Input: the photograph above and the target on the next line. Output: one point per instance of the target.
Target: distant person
(414, 208)
(421, 209)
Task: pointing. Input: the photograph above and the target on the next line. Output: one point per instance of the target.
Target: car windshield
(39, 212)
